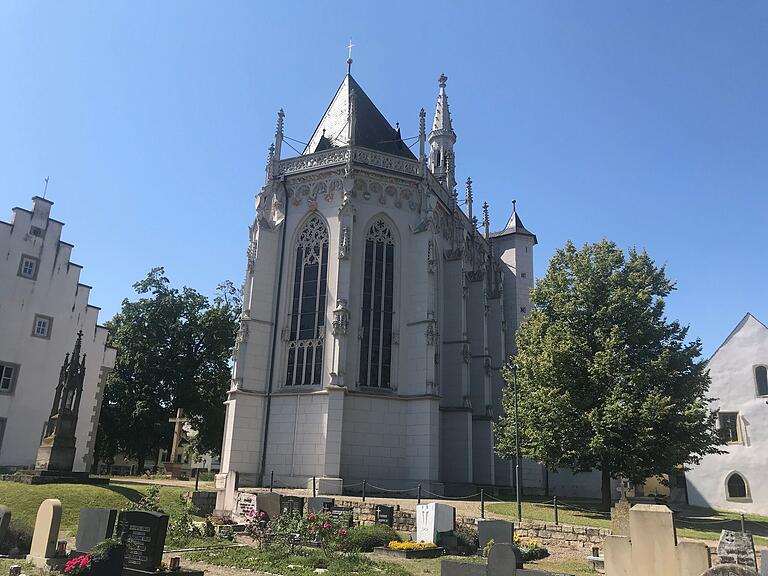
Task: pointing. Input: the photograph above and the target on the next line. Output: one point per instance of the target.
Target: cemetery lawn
(694, 523)
(24, 500)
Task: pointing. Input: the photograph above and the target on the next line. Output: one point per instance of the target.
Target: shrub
(366, 538)
(467, 536)
(533, 551)
(18, 538)
(149, 502)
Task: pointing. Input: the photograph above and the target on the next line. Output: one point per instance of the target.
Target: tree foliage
(173, 351)
(605, 381)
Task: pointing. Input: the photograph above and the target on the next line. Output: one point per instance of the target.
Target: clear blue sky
(643, 122)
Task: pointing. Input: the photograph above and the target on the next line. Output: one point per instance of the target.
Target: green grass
(24, 500)
(694, 523)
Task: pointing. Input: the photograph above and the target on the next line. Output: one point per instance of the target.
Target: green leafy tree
(173, 351)
(605, 381)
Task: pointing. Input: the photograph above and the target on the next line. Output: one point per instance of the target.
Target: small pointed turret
(279, 134)
(441, 139)
(469, 198)
(486, 221)
(515, 226)
(422, 135)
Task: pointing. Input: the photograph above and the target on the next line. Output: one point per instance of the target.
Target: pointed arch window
(737, 486)
(378, 307)
(307, 318)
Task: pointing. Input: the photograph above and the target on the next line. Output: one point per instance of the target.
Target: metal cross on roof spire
(349, 57)
(514, 205)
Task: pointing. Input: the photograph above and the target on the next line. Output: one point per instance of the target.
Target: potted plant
(107, 558)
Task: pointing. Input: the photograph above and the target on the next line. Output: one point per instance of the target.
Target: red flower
(326, 525)
(343, 532)
(312, 517)
(262, 514)
(312, 527)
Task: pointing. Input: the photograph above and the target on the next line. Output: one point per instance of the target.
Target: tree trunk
(140, 464)
(605, 490)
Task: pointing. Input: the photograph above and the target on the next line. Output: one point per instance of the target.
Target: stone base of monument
(410, 554)
(56, 563)
(179, 572)
(327, 486)
(36, 477)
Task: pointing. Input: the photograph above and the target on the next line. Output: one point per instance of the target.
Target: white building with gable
(739, 371)
(378, 313)
(43, 305)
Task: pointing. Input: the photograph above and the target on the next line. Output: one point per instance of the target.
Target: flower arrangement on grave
(78, 566)
(291, 530)
(395, 545)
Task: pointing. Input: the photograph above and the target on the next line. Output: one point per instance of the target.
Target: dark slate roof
(515, 226)
(371, 128)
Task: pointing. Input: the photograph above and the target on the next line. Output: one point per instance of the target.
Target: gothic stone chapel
(376, 316)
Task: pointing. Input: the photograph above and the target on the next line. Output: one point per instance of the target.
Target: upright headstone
(319, 504)
(385, 515)
(764, 562)
(500, 531)
(292, 505)
(144, 537)
(343, 512)
(46, 532)
(269, 502)
(5, 521)
(502, 557)
(95, 525)
(736, 548)
(432, 519)
(245, 507)
(620, 517)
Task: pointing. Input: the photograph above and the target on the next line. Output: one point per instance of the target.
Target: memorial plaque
(95, 525)
(292, 505)
(385, 515)
(144, 537)
(317, 505)
(340, 512)
(269, 503)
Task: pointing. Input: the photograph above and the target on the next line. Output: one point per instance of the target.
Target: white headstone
(433, 518)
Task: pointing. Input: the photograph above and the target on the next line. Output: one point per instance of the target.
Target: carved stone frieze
(345, 155)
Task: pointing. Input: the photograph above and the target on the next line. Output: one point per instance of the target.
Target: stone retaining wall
(563, 535)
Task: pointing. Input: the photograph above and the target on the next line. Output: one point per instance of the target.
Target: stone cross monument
(57, 450)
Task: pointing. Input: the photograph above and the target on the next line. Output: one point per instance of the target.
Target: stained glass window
(307, 316)
(378, 302)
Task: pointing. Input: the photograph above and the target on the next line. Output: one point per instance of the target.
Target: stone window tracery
(307, 317)
(378, 307)
(736, 486)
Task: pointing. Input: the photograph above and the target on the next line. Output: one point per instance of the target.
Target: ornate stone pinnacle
(279, 129)
(469, 190)
(442, 80)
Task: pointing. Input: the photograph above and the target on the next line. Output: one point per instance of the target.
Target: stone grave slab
(269, 502)
(95, 525)
(730, 570)
(433, 518)
(502, 557)
(500, 531)
(737, 548)
(620, 518)
(5, 521)
(342, 511)
(144, 537)
(292, 505)
(385, 515)
(46, 534)
(319, 504)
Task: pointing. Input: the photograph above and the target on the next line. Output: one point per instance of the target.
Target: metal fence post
(557, 519)
(742, 523)
(314, 487)
(364, 483)
(271, 480)
(419, 495)
(482, 502)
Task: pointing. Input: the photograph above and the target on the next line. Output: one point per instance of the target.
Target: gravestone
(433, 518)
(5, 520)
(764, 563)
(385, 515)
(736, 548)
(144, 537)
(340, 512)
(502, 557)
(95, 525)
(620, 517)
(730, 570)
(269, 502)
(318, 505)
(46, 534)
(245, 506)
(292, 505)
(500, 531)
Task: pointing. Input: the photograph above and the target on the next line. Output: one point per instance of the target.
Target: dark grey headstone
(292, 505)
(5, 520)
(730, 570)
(95, 525)
(144, 537)
(737, 548)
(502, 557)
(343, 512)
(500, 531)
(269, 502)
(318, 505)
(453, 568)
(385, 515)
